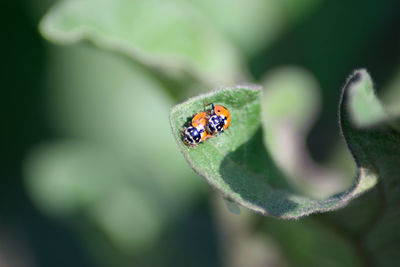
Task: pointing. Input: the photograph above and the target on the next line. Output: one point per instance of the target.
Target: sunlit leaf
(167, 36)
(238, 165)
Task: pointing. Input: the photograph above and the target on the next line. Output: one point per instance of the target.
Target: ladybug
(218, 120)
(196, 133)
(200, 119)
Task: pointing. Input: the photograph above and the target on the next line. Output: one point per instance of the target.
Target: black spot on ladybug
(216, 124)
(187, 137)
(195, 134)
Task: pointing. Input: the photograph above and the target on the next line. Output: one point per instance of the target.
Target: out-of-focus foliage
(312, 243)
(166, 36)
(113, 166)
(254, 24)
(87, 127)
(291, 102)
(391, 96)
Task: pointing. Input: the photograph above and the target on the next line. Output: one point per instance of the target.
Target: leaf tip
(359, 97)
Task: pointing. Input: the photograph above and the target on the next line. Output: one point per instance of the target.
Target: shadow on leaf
(264, 185)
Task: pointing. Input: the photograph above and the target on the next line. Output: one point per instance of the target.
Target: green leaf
(365, 108)
(253, 25)
(166, 36)
(237, 164)
(375, 145)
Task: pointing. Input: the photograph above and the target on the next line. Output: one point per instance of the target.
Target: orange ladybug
(200, 119)
(196, 133)
(219, 120)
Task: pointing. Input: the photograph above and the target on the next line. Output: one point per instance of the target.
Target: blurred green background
(91, 175)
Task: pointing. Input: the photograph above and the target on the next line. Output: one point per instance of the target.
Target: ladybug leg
(205, 105)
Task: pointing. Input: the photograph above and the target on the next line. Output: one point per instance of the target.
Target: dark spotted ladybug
(218, 120)
(196, 133)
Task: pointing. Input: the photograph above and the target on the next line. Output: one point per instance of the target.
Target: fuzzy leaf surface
(237, 164)
(375, 144)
